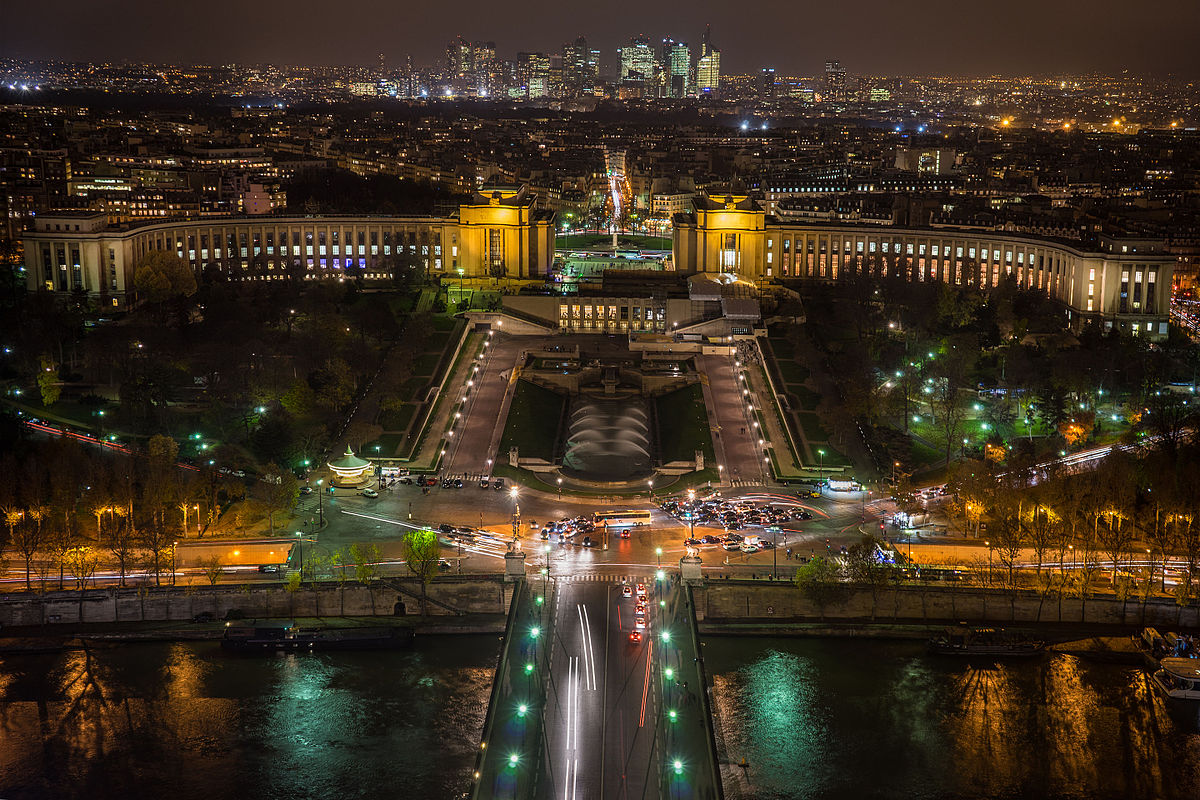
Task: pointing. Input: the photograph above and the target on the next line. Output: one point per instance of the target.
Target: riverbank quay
(735, 600)
(29, 639)
(447, 596)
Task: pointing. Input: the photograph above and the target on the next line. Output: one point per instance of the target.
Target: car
(533, 526)
(466, 530)
(369, 493)
(691, 542)
(587, 542)
(641, 607)
(268, 569)
(406, 481)
(748, 547)
(484, 483)
(635, 637)
(446, 528)
(734, 537)
(306, 490)
(641, 590)
(802, 514)
(625, 533)
(732, 546)
(814, 494)
(710, 539)
(639, 622)
(498, 484)
(627, 591)
(458, 484)
(204, 616)
(444, 565)
(766, 544)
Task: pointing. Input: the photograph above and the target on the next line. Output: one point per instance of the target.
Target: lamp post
(320, 502)
(988, 545)
(650, 483)
(658, 552)
(894, 465)
(820, 462)
(516, 516)
(300, 552)
(1071, 547)
(559, 486)
(691, 513)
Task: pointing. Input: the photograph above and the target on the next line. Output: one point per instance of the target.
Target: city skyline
(935, 38)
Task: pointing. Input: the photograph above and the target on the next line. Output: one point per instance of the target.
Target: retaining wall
(485, 595)
(739, 601)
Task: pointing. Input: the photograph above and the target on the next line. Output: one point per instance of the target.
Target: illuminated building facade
(733, 235)
(499, 234)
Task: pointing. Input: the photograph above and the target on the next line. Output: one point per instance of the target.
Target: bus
(621, 519)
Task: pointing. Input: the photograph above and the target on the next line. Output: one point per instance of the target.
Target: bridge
(582, 709)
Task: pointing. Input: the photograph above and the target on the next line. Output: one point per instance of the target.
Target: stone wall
(740, 601)
(483, 595)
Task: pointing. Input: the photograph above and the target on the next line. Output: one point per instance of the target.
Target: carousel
(350, 470)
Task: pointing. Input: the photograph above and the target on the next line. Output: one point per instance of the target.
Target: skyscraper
(766, 83)
(579, 68)
(708, 68)
(835, 82)
(458, 58)
(637, 60)
(533, 72)
(677, 68)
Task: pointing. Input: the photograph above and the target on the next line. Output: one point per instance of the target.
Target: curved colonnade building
(1123, 286)
(499, 233)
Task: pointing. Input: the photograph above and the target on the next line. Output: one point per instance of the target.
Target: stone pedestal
(689, 569)
(514, 565)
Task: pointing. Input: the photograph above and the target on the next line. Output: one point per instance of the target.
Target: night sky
(869, 36)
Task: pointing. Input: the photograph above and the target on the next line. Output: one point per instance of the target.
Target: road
(603, 707)
(734, 436)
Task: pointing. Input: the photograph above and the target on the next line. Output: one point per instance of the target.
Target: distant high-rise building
(677, 68)
(708, 68)
(459, 58)
(580, 68)
(835, 82)
(637, 60)
(533, 72)
(766, 83)
(484, 72)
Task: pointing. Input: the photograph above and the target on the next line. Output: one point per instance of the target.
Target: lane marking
(590, 649)
(646, 683)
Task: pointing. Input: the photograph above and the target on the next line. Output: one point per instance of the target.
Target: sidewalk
(688, 747)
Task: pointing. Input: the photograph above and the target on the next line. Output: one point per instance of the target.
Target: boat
(993, 642)
(1178, 678)
(1155, 646)
(288, 637)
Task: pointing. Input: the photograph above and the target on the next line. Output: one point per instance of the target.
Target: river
(186, 720)
(842, 718)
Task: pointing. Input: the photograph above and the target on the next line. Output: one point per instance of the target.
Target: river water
(840, 718)
(186, 720)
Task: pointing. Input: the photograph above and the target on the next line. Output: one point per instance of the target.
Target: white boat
(1179, 678)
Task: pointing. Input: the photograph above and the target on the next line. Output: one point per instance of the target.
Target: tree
(292, 585)
(82, 562)
(422, 554)
(162, 276)
(279, 490)
(366, 566)
(48, 382)
(26, 536)
(864, 567)
(213, 570)
(820, 582)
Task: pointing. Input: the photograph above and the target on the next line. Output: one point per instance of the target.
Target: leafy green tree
(279, 491)
(422, 554)
(820, 581)
(162, 276)
(48, 382)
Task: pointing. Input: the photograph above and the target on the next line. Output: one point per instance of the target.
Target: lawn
(426, 363)
(791, 371)
(683, 425)
(532, 422)
(814, 432)
(586, 240)
(398, 420)
(782, 347)
(807, 398)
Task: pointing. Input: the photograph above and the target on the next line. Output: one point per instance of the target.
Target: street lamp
(821, 462)
(559, 485)
(691, 513)
(516, 516)
(988, 545)
(320, 503)
(658, 552)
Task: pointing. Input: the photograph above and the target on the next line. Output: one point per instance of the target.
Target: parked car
(445, 527)
(369, 493)
(269, 569)
(306, 490)
(444, 565)
(484, 483)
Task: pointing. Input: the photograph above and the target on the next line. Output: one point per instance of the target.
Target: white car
(639, 622)
(369, 493)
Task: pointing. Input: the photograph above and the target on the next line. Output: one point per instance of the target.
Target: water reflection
(188, 721)
(852, 719)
